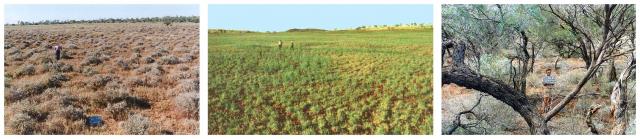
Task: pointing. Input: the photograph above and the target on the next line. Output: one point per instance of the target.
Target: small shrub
(71, 113)
(91, 60)
(57, 67)
(154, 69)
(65, 55)
(88, 71)
(99, 81)
(110, 96)
(28, 69)
(21, 123)
(156, 54)
(124, 64)
(14, 95)
(169, 60)
(152, 74)
(188, 103)
(117, 110)
(136, 125)
(183, 68)
(151, 79)
(72, 46)
(25, 89)
(148, 60)
(192, 125)
(187, 86)
(187, 58)
(138, 49)
(134, 82)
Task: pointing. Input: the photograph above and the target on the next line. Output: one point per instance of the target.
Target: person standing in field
(58, 51)
(548, 82)
(279, 44)
(291, 45)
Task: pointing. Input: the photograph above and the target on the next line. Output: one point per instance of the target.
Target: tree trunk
(555, 64)
(463, 76)
(593, 110)
(612, 71)
(556, 109)
(619, 99)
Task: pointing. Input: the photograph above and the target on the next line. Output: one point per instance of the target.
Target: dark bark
(458, 123)
(619, 99)
(463, 76)
(612, 71)
(592, 128)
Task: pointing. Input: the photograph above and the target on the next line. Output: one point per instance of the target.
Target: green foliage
(332, 82)
(495, 66)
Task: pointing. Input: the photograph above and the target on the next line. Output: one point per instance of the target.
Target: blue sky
(283, 17)
(15, 13)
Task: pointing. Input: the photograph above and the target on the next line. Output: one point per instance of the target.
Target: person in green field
(291, 45)
(548, 82)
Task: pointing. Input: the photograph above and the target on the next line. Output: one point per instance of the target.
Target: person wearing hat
(58, 51)
(548, 82)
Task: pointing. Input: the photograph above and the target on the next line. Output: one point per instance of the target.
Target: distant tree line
(306, 30)
(396, 25)
(166, 20)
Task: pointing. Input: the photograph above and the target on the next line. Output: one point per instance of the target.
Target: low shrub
(169, 60)
(134, 82)
(27, 69)
(88, 71)
(26, 89)
(57, 67)
(148, 60)
(91, 60)
(99, 81)
(136, 125)
(71, 113)
(21, 123)
(117, 110)
(124, 64)
(188, 102)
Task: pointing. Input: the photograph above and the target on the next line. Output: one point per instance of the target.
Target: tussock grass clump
(99, 81)
(134, 82)
(56, 67)
(27, 69)
(136, 125)
(187, 86)
(125, 64)
(188, 102)
(157, 54)
(21, 123)
(25, 117)
(117, 110)
(152, 74)
(187, 58)
(71, 113)
(89, 71)
(25, 89)
(91, 60)
(148, 60)
(170, 59)
(153, 69)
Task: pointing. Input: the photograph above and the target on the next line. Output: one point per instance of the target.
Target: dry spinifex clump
(140, 78)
